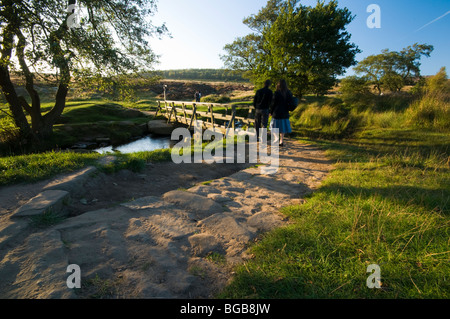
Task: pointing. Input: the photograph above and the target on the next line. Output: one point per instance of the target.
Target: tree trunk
(7, 86)
(14, 103)
(378, 87)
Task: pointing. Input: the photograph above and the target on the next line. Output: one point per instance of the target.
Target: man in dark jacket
(261, 102)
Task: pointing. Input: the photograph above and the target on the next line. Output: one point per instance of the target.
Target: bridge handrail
(171, 108)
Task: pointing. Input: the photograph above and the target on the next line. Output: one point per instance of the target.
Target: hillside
(185, 90)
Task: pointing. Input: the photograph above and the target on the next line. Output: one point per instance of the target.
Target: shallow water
(145, 144)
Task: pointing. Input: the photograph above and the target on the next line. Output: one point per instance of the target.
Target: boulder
(201, 206)
(204, 244)
(160, 127)
(50, 200)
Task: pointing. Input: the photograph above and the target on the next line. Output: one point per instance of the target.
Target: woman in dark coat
(279, 109)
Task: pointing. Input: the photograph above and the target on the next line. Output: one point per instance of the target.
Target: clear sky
(201, 28)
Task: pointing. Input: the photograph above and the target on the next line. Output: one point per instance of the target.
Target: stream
(145, 144)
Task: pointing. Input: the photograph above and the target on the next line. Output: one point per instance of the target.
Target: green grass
(35, 167)
(47, 219)
(136, 162)
(96, 111)
(82, 120)
(386, 203)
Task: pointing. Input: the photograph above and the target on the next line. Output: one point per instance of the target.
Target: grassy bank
(386, 203)
(83, 120)
(35, 167)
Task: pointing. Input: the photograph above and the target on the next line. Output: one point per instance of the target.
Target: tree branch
(5, 80)
(29, 82)
(62, 63)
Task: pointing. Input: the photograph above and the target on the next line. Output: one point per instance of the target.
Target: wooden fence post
(158, 109)
(194, 115)
(184, 111)
(212, 115)
(233, 115)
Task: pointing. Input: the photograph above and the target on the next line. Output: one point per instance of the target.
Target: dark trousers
(261, 120)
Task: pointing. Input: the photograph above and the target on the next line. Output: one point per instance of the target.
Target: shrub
(9, 134)
(215, 98)
(353, 87)
(438, 83)
(431, 111)
(329, 118)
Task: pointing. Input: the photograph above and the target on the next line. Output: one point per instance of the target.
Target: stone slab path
(182, 244)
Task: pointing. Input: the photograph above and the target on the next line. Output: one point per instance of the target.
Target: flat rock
(203, 244)
(204, 190)
(36, 269)
(219, 198)
(200, 205)
(71, 182)
(171, 226)
(50, 200)
(265, 221)
(143, 203)
(228, 228)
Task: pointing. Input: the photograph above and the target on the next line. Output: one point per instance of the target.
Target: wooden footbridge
(214, 116)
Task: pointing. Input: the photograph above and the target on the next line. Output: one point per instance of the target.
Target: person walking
(261, 102)
(282, 103)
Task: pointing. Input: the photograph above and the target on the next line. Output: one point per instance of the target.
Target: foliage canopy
(38, 37)
(393, 70)
(307, 46)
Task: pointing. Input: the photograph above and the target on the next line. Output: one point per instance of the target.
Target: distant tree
(354, 87)
(110, 38)
(372, 68)
(204, 74)
(308, 46)
(393, 70)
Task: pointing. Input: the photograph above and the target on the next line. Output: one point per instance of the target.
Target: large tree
(308, 46)
(40, 37)
(392, 70)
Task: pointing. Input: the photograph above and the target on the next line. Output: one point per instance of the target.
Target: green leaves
(111, 39)
(393, 70)
(308, 46)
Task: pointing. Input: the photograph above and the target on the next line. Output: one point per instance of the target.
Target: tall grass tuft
(432, 111)
(326, 118)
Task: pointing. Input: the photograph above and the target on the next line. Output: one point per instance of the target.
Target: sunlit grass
(386, 203)
(34, 167)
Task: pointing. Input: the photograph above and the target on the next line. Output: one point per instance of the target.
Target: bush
(328, 118)
(354, 87)
(9, 134)
(439, 83)
(431, 111)
(215, 98)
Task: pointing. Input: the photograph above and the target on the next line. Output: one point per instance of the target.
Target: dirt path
(171, 231)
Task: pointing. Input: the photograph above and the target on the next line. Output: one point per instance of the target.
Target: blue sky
(201, 28)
